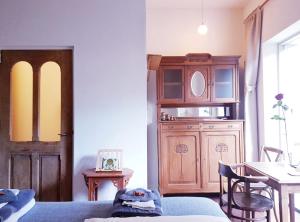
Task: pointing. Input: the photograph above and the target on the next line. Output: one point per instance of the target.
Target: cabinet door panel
(171, 82)
(224, 86)
(180, 168)
(190, 96)
(222, 145)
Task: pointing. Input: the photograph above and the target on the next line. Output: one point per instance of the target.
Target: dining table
(281, 177)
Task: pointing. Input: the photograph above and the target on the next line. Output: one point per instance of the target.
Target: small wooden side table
(93, 180)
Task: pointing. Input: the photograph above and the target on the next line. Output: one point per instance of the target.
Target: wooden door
(224, 83)
(197, 84)
(218, 145)
(36, 122)
(180, 162)
(171, 84)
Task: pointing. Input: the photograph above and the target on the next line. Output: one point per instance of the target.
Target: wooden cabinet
(190, 147)
(180, 161)
(171, 84)
(189, 154)
(197, 79)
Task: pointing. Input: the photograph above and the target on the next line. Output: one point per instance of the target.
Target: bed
(79, 211)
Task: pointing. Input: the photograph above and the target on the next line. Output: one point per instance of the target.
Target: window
(281, 73)
(288, 84)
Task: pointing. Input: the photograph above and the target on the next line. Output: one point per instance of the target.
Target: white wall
(174, 31)
(108, 37)
(278, 15)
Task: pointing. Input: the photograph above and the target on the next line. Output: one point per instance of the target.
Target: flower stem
(285, 128)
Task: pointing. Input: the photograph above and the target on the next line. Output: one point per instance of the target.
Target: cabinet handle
(230, 126)
(189, 127)
(210, 127)
(170, 127)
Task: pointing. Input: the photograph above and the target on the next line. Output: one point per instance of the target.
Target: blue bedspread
(78, 211)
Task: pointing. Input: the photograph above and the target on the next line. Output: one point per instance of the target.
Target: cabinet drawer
(214, 126)
(180, 127)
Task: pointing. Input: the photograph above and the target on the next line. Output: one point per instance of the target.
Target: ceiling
(196, 3)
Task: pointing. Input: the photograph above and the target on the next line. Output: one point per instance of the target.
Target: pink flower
(279, 96)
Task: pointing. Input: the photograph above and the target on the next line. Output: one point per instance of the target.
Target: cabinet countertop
(199, 120)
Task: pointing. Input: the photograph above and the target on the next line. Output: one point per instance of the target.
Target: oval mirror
(198, 84)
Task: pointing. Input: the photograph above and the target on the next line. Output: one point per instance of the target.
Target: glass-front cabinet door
(171, 84)
(224, 83)
(197, 84)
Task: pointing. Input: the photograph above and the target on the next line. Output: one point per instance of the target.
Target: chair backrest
(226, 171)
(271, 154)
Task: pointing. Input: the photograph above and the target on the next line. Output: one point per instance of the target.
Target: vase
(293, 161)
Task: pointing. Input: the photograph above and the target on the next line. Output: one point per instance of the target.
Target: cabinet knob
(189, 127)
(230, 126)
(210, 126)
(170, 127)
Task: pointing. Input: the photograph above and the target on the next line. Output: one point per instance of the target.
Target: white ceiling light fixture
(202, 29)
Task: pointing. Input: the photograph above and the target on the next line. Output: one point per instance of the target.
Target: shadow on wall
(152, 154)
(106, 191)
(242, 92)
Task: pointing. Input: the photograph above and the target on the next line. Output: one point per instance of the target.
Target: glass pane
(172, 83)
(21, 100)
(173, 75)
(172, 92)
(50, 102)
(224, 83)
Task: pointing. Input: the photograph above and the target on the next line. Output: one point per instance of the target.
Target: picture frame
(109, 160)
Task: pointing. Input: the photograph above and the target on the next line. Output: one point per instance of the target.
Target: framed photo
(109, 160)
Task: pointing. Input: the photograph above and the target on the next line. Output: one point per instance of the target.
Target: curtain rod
(260, 7)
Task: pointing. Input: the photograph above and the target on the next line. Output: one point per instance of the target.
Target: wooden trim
(153, 61)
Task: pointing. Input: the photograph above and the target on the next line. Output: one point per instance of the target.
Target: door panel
(36, 162)
(189, 95)
(180, 159)
(223, 145)
(21, 171)
(49, 179)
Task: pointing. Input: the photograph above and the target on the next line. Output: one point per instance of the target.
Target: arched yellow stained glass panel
(50, 102)
(21, 98)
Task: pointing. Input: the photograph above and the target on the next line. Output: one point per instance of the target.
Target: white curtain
(253, 26)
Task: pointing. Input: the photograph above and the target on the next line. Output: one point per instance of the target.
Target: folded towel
(6, 212)
(23, 198)
(138, 194)
(16, 215)
(148, 205)
(120, 210)
(7, 196)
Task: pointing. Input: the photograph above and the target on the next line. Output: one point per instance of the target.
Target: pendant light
(202, 29)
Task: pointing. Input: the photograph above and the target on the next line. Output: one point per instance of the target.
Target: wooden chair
(270, 154)
(244, 201)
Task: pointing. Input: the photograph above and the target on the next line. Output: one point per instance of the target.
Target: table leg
(91, 190)
(283, 204)
(247, 189)
(292, 207)
(96, 193)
